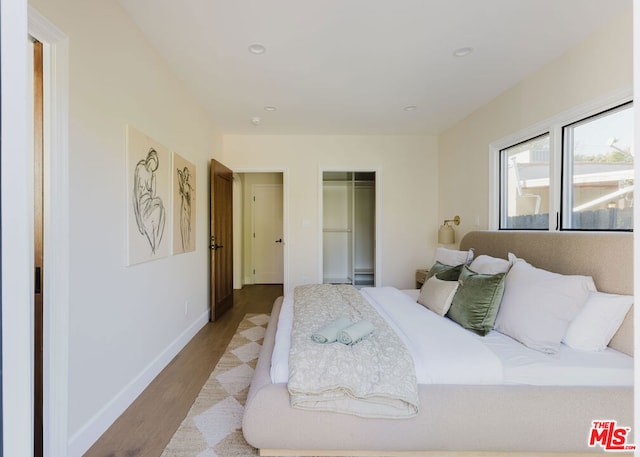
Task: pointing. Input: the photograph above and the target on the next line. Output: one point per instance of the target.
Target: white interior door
(268, 242)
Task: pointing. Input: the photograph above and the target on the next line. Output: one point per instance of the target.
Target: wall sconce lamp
(446, 235)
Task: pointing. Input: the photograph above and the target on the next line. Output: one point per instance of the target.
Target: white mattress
(493, 359)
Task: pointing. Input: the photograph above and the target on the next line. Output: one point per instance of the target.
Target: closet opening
(349, 227)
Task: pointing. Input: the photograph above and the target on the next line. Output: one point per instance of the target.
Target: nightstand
(421, 276)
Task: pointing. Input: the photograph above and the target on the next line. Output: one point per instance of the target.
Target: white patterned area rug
(213, 426)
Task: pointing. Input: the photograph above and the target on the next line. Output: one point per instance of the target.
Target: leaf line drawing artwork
(184, 198)
(185, 206)
(147, 206)
(148, 197)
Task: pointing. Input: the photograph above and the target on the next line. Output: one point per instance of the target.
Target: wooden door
(221, 239)
(268, 256)
(38, 246)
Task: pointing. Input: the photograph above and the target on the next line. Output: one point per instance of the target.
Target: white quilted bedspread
(373, 378)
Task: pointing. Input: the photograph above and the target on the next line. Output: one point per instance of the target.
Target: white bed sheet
(500, 359)
(443, 352)
(568, 367)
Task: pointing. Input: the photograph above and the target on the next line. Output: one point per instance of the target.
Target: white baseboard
(84, 438)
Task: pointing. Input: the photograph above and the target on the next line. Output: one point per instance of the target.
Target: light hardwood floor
(146, 427)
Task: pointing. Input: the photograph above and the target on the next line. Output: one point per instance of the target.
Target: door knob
(279, 241)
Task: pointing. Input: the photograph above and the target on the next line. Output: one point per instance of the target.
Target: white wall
(125, 323)
(408, 178)
(597, 67)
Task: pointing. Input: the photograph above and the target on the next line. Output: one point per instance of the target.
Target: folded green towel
(356, 332)
(329, 333)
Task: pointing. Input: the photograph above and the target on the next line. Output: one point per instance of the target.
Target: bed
(518, 416)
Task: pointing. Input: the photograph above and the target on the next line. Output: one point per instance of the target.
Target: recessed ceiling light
(410, 108)
(462, 52)
(270, 108)
(257, 48)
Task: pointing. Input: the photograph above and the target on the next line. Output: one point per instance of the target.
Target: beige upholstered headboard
(607, 257)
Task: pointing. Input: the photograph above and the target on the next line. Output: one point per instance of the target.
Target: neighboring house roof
(537, 174)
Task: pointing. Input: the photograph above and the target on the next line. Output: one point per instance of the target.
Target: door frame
(378, 217)
(57, 243)
(17, 287)
(237, 253)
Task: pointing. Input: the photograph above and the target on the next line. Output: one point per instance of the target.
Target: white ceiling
(351, 66)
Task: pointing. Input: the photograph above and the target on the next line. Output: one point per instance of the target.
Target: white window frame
(553, 126)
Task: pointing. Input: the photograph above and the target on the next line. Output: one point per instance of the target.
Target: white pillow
(538, 305)
(452, 257)
(437, 295)
(487, 265)
(598, 321)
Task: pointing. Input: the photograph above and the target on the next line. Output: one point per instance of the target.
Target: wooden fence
(602, 219)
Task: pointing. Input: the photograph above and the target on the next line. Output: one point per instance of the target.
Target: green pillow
(444, 272)
(476, 302)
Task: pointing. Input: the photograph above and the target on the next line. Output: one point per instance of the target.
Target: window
(598, 172)
(524, 192)
(574, 174)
